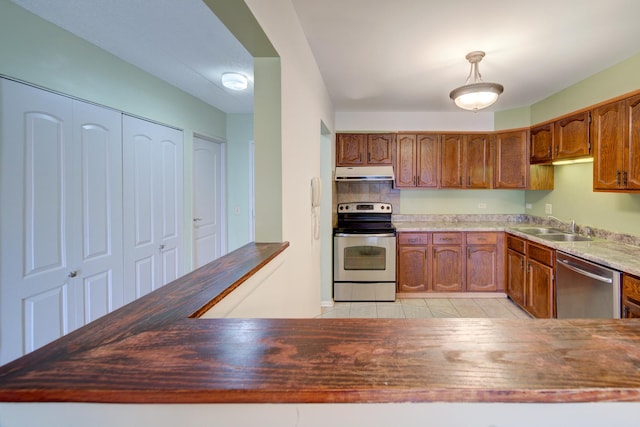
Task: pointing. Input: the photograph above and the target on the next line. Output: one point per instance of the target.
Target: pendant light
(475, 94)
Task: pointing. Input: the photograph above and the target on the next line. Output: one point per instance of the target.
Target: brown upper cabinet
(357, 149)
(417, 160)
(512, 160)
(566, 138)
(616, 140)
(572, 137)
(542, 144)
(465, 161)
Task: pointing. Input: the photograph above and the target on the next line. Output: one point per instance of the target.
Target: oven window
(365, 258)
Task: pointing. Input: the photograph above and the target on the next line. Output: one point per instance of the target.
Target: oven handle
(364, 235)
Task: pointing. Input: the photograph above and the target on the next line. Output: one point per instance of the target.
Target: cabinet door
(512, 159)
(539, 292)
(350, 149)
(632, 152)
(572, 136)
(427, 164)
(608, 141)
(630, 297)
(379, 149)
(477, 161)
(413, 269)
(542, 143)
(482, 268)
(516, 276)
(447, 269)
(451, 152)
(406, 161)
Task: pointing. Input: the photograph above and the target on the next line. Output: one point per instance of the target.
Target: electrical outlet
(548, 209)
(528, 206)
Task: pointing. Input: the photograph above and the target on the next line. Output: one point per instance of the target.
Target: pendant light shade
(475, 94)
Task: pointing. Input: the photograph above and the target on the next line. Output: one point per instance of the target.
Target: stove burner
(364, 217)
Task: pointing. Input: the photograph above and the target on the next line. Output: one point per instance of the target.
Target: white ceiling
(181, 42)
(407, 55)
(374, 55)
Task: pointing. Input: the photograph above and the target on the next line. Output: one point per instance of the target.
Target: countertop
(617, 255)
(156, 350)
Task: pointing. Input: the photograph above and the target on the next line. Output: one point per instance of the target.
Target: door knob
(197, 219)
(161, 247)
(72, 274)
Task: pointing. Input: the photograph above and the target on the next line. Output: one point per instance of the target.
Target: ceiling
(181, 42)
(374, 55)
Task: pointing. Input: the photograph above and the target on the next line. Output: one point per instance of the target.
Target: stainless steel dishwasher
(586, 290)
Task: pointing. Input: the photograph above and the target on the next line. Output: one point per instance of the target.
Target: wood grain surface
(155, 351)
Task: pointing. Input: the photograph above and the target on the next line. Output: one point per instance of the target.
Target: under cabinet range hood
(364, 173)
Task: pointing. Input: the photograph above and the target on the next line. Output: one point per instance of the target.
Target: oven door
(364, 257)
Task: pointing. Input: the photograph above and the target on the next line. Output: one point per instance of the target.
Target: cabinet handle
(468, 180)
(549, 152)
(447, 239)
(557, 148)
(413, 240)
(624, 178)
(368, 157)
(414, 180)
(618, 179)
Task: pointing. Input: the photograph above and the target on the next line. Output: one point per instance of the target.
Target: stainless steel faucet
(571, 224)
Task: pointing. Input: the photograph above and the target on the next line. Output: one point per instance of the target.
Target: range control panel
(365, 207)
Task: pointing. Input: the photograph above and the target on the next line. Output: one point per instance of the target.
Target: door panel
(152, 197)
(34, 187)
(98, 145)
(207, 211)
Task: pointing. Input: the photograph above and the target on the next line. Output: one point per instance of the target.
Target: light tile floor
(428, 308)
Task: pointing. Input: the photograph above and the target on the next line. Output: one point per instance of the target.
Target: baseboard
(424, 295)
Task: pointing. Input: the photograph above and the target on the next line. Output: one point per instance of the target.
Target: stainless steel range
(364, 253)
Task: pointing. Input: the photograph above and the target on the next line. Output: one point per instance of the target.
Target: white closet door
(98, 156)
(153, 206)
(207, 201)
(37, 304)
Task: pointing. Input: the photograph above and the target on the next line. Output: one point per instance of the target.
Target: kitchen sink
(565, 237)
(554, 234)
(540, 230)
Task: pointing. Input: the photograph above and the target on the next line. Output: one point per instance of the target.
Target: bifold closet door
(153, 206)
(60, 187)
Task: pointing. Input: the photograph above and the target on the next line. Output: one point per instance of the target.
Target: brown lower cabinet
(530, 276)
(630, 297)
(450, 262)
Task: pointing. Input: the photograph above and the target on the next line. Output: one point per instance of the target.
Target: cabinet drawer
(541, 254)
(631, 287)
(413, 238)
(517, 244)
(453, 238)
(482, 238)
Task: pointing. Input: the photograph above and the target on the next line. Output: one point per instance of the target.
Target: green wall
(38, 52)
(239, 139)
(573, 196)
(461, 202)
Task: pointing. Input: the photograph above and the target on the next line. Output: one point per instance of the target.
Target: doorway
(209, 211)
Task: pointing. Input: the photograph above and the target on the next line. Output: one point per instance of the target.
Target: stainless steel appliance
(364, 253)
(585, 289)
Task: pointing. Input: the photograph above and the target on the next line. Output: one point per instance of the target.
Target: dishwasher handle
(578, 270)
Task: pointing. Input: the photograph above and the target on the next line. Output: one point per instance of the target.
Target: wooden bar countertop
(156, 350)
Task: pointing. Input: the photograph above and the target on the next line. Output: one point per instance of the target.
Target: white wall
(304, 105)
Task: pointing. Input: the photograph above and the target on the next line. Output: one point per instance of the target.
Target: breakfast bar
(157, 350)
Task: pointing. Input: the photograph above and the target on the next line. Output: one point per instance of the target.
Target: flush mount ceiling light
(475, 94)
(235, 81)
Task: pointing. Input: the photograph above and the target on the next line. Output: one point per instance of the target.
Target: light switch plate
(548, 209)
